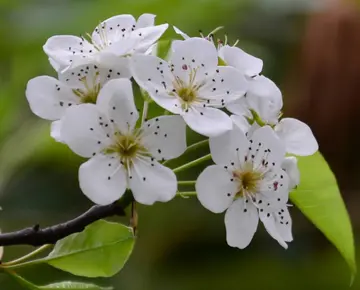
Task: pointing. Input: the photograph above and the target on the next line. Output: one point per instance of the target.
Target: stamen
(214, 31)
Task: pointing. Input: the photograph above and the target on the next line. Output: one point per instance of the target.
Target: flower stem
(144, 111)
(27, 257)
(186, 194)
(191, 148)
(197, 145)
(192, 163)
(134, 217)
(189, 182)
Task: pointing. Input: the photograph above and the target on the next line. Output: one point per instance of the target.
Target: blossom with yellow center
(249, 183)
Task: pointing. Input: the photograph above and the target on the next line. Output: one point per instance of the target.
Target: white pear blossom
(233, 56)
(289, 164)
(191, 84)
(261, 106)
(263, 98)
(49, 97)
(117, 37)
(249, 184)
(123, 156)
(296, 135)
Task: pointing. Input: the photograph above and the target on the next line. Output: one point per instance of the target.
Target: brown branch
(35, 236)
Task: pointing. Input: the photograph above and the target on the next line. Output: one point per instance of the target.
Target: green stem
(188, 182)
(23, 265)
(192, 163)
(27, 257)
(191, 148)
(144, 112)
(186, 194)
(197, 145)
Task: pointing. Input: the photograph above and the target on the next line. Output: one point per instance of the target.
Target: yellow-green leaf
(101, 250)
(319, 198)
(73, 286)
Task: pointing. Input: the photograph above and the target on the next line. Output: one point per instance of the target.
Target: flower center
(127, 147)
(89, 93)
(188, 95)
(248, 181)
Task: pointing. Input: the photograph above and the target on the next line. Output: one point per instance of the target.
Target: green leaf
(73, 286)
(101, 250)
(319, 198)
(60, 285)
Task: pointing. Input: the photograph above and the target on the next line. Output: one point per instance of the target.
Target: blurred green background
(180, 244)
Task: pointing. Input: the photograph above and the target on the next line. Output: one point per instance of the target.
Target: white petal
(56, 131)
(225, 85)
(240, 107)
(113, 29)
(241, 221)
(270, 225)
(183, 34)
(241, 122)
(56, 66)
(112, 66)
(266, 149)
(68, 50)
(229, 148)
(265, 98)
(145, 20)
(123, 47)
(49, 98)
(208, 121)
(116, 100)
(103, 179)
(214, 188)
(283, 224)
(150, 181)
(255, 126)
(289, 165)
(154, 76)
(83, 130)
(147, 36)
(89, 78)
(193, 54)
(138, 41)
(165, 137)
(274, 189)
(241, 60)
(297, 136)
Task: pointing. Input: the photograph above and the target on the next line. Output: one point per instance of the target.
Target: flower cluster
(92, 106)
